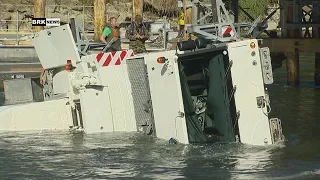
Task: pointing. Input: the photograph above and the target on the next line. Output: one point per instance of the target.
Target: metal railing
(14, 31)
(8, 32)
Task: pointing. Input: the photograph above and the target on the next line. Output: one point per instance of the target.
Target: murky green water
(60, 155)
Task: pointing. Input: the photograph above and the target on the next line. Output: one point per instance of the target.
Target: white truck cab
(192, 96)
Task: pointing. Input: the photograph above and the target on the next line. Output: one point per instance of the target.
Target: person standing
(111, 35)
(181, 24)
(137, 33)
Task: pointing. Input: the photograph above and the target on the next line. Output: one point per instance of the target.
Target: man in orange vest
(111, 34)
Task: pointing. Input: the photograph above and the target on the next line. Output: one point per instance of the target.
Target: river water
(61, 155)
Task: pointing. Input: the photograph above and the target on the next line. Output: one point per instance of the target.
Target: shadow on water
(277, 60)
(1, 98)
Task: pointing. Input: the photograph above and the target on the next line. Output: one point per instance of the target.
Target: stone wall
(64, 9)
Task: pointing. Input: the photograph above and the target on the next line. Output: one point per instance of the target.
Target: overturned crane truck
(194, 96)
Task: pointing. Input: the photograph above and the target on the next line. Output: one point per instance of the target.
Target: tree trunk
(137, 8)
(99, 18)
(39, 12)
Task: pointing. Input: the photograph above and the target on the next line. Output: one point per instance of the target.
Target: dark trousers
(181, 31)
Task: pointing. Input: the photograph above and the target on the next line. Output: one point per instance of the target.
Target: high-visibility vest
(115, 33)
(181, 19)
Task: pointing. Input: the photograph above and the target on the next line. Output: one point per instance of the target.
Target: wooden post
(39, 12)
(137, 8)
(195, 14)
(184, 3)
(235, 9)
(283, 17)
(214, 11)
(99, 18)
(317, 69)
(316, 34)
(293, 74)
(188, 16)
(187, 20)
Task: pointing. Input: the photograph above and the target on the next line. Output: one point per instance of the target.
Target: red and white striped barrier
(227, 30)
(113, 58)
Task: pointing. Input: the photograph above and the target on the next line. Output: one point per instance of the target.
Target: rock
(3, 26)
(26, 16)
(53, 9)
(25, 26)
(22, 10)
(12, 27)
(89, 27)
(63, 18)
(54, 2)
(28, 2)
(6, 16)
(272, 25)
(120, 9)
(77, 8)
(64, 11)
(15, 16)
(11, 8)
(25, 38)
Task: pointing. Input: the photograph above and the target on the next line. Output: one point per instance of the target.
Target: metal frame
(197, 4)
(299, 17)
(213, 31)
(79, 37)
(82, 41)
(258, 23)
(202, 30)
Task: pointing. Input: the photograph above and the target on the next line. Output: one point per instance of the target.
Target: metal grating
(140, 91)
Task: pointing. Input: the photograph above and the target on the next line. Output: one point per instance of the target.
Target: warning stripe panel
(113, 58)
(227, 30)
(99, 56)
(108, 60)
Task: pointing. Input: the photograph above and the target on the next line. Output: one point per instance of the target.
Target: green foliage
(254, 7)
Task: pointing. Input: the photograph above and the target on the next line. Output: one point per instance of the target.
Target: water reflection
(1, 98)
(121, 155)
(61, 155)
(252, 163)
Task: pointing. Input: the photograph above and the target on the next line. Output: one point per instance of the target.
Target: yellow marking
(14, 33)
(14, 42)
(25, 69)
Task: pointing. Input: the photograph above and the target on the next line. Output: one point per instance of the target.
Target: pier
(300, 30)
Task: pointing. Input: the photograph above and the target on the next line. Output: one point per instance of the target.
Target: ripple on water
(125, 155)
(60, 155)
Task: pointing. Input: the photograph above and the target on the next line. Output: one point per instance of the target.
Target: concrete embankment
(19, 60)
(21, 53)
